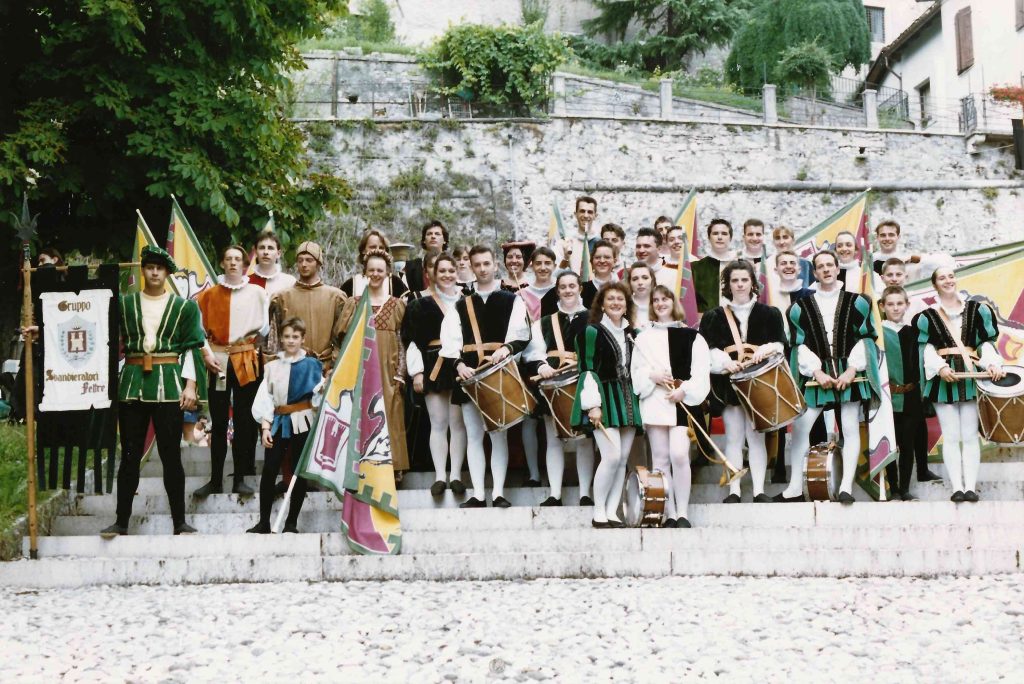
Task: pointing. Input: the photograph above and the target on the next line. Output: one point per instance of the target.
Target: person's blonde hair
(677, 309)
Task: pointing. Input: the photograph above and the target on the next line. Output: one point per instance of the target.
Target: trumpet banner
(851, 218)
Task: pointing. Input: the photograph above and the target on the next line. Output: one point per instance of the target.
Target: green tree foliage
(838, 26)
(807, 65)
(669, 30)
(371, 24)
(114, 105)
(503, 67)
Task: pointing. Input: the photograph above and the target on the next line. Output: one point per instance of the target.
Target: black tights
(908, 442)
(271, 467)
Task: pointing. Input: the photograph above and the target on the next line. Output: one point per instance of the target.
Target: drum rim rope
(477, 379)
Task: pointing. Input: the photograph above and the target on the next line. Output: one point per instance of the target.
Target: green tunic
(599, 356)
(180, 332)
(977, 326)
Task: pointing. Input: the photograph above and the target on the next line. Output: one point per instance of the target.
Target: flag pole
(276, 527)
(30, 404)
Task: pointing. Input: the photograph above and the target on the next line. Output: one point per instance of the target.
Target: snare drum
(498, 391)
(824, 472)
(645, 498)
(768, 394)
(1001, 407)
(559, 391)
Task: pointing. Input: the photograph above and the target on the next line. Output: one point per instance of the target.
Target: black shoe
(762, 498)
(971, 496)
(207, 489)
(242, 489)
(928, 476)
(846, 498)
(437, 489)
(113, 531)
(669, 523)
(280, 489)
(472, 502)
(290, 528)
(501, 502)
(958, 497)
(599, 525)
(532, 483)
(586, 501)
(732, 498)
(458, 489)
(185, 528)
(616, 524)
(259, 528)
(907, 496)
(551, 501)
(782, 498)
(683, 522)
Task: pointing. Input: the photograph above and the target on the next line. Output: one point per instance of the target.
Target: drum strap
(742, 350)
(556, 331)
(477, 340)
(958, 344)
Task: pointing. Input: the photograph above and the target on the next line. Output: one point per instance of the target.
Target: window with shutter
(1020, 14)
(964, 41)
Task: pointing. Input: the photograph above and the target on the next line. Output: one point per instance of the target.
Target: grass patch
(722, 96)
(13, 473)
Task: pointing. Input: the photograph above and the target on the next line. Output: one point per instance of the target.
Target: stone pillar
(558, 93)
(665, 99)
(771, 109)
(870, 108)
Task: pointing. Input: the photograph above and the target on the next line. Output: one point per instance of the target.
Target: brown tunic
(387, 320)
(319, 306)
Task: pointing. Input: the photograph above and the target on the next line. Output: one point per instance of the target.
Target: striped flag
(585, 273)
(685, 292)
(687, 220)
(197, 273)
(851, 218)
(349, 448)
(767, 295)
(131, 279)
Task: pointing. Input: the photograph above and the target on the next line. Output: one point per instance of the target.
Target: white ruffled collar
(834, 294)
(741, 308)
(576, 309)
(953, 312)
(222, 282)
(282, 356)
(607, 322)
(455, 296)
(666, 326)
(269, 276)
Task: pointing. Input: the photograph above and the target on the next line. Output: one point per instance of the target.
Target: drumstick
(978, 375)
(815, 383)
(601, 427)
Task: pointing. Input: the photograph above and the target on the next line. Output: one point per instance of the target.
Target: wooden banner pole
(30, 404)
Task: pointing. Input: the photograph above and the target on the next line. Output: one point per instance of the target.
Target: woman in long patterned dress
(956, 335)
(388, 312)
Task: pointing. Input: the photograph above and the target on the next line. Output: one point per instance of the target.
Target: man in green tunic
(163, 338)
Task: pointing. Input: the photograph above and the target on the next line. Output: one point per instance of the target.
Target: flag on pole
(880, 446)
(197, 273)
(131, 278)
(975, 256)
(684, 290)
(851, 218)
(687, 219)
(556, 231)
(585, 274)
(349, 449)
(767, 295)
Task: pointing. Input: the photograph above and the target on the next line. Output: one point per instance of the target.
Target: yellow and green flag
(687, 220)
(197, 273)
(131, 278)
(556, 231)
(349, 448)
(684, 290)
(851, 218)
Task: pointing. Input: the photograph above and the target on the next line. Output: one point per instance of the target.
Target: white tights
(478, 459)
(739, 429)
(555, 458)
(961, 448)
(611, 471)
(849, 415)
(445, 416)
(670, 453)
(529, 432)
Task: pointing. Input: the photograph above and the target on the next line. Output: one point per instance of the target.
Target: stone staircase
(442, 542)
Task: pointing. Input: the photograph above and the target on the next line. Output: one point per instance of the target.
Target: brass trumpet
(729, 471)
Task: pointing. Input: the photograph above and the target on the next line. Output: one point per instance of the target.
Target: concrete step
(919, 562)
(701, 515)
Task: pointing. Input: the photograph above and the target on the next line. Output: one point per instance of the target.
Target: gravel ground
(727, 629)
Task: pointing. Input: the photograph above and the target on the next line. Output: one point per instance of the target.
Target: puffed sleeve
(696, 389)
(639, 366)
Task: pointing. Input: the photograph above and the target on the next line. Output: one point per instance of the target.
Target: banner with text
(76, 371)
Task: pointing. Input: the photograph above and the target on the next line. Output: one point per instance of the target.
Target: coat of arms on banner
(77, 341)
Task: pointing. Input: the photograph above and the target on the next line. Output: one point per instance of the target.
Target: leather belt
(232, 348)
(293, 408)
(244, 358)
(563, 356)
(147, 361)
(901, 389)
